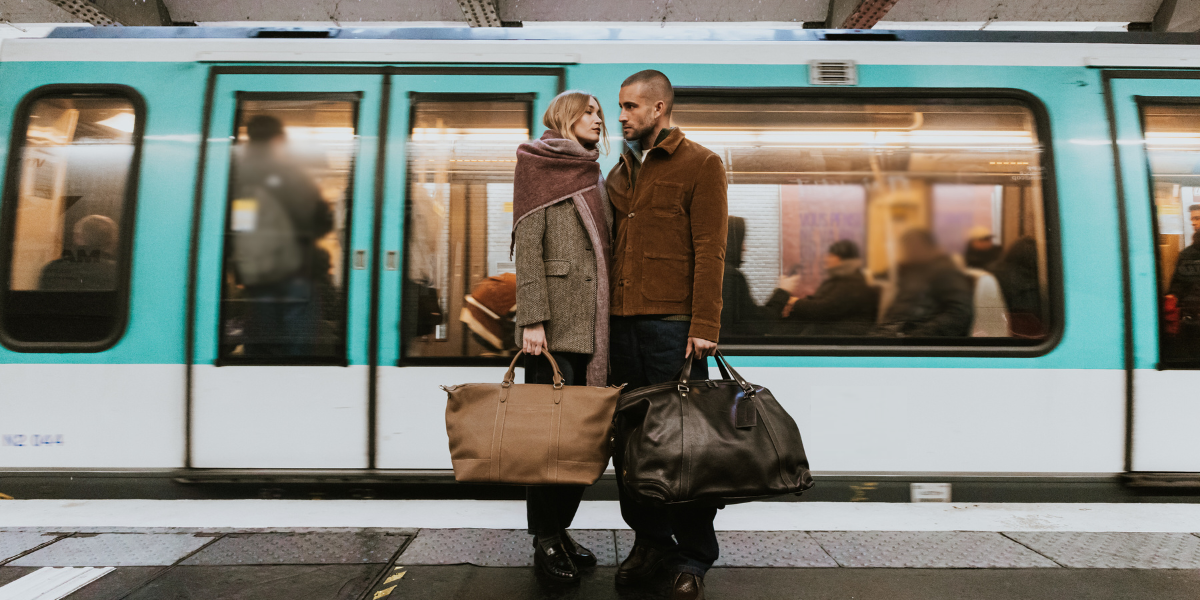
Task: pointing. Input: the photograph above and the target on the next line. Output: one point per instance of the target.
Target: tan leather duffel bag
(529, 434)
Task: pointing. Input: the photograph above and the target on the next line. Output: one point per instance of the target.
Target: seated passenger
(1183, 313)
(844, 304)
(740, 314)
(92, 266)
(981, 250)
(933, 297)
(1017, 274)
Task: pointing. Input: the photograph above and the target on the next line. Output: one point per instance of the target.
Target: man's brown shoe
(687, 587)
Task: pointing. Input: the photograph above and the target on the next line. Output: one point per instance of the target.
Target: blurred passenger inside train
(490, 310)
(934, 298)
(844, 304)
(740, 314)
(982, 250)
(1184, 317)
(562, 244)
(278, 214)
(1017, 273)
(91, 265)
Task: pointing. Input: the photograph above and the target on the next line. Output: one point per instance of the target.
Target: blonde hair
(567, 108)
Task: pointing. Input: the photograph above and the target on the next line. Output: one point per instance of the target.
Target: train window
(459, 287)
(283, 297)
(879, 222)
(68, 219)
(1173, 147)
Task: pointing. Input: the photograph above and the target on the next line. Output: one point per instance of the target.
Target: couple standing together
(621, 281)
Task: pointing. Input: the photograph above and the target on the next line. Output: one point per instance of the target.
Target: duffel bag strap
(512, 368)
(721, 362)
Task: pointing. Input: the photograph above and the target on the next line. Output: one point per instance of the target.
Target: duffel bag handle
(512, 368)
(722, 365)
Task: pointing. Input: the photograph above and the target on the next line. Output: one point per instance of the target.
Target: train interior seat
(991, 314)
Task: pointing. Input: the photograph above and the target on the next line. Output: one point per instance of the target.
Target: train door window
(68, 220)
(900, 222)
(1173, 147)
(460, 286)
(283, 295)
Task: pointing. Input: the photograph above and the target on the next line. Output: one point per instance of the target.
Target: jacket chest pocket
(557, 267)
(666, 199)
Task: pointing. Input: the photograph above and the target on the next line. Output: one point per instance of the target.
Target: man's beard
(639, 133)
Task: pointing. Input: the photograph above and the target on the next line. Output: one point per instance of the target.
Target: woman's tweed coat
(556, 276)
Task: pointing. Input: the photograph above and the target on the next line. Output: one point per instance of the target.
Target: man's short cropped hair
(1194, 208)
(658, 87)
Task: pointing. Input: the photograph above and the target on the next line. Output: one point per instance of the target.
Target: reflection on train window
(67, 235)
(460, 287)
(1173, 147)
(291, 174)
(900, 222)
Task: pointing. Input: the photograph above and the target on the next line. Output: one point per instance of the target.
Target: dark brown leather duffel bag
(712, 441)
(529, 434)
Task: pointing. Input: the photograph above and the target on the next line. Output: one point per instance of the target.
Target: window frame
(10, 199)
(920, 347)
(414, 98)
(1143, 102)
(342, 358)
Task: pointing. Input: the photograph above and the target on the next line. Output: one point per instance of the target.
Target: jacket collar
(674, 137)
(668, 139)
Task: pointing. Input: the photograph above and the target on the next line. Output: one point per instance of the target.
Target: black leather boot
(582, 557)
(640, 565)
(554, 563)
(687, 587)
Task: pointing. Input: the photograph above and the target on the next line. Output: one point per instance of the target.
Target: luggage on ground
(713, 441)
(529, 434)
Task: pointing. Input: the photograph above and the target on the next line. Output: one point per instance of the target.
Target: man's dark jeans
(644, 351)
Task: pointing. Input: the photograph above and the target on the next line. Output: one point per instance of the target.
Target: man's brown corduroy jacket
(671, 218)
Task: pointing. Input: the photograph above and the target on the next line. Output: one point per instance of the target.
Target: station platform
(450, 549)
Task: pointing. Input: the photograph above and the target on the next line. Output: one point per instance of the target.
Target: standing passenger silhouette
(278, 216)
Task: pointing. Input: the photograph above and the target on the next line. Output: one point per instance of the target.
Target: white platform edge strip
(51, 583)
(510, 514)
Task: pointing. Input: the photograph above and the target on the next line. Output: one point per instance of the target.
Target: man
(982, 250)
(278, 215)
(740, 314)
(933, 297)
(669, 199)
(92, 267)
(844, 304)
(1185, 286)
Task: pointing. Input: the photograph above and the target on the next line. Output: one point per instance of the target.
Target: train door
(280, 368)
(1157, 128)
(444, 316)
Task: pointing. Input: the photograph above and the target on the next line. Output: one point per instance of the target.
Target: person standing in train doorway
(562, 244)
(670, 212)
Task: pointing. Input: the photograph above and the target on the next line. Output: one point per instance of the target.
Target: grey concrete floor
(464, 582)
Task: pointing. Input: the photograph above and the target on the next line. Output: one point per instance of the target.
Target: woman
(561, 239)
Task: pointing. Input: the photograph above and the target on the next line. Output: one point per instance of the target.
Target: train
(132, 340)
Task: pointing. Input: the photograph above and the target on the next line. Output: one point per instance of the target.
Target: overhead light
(473, 134)
(124, 121)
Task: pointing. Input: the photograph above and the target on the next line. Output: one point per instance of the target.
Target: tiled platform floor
(438, 564)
